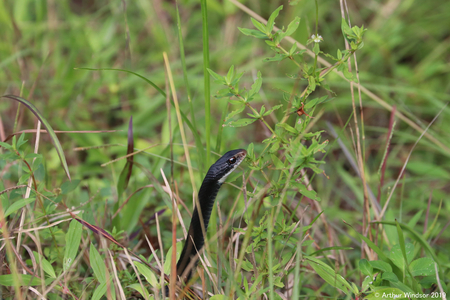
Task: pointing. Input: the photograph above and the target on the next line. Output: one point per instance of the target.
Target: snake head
(223, 167)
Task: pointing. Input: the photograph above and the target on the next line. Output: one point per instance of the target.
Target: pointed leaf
(277, 57)
(240, 123)
(271, 21)
(230, 74)
(138, 288)
(328, 274)
(259, 26)
(148, 274)
(46, 265)
(73, 238)
(252, 32)
(99, 291)
(18, 205)
(256, 86)
(97, 264)
(25, 279)
(235, 112)
(292, 27)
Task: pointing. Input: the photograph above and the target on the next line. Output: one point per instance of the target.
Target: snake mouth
(241, 155)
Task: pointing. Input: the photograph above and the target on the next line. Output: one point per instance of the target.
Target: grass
(365, 213)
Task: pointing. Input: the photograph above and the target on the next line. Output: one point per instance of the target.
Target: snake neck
(195, 239)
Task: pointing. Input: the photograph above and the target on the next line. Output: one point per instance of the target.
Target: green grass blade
(417, 236)
(192, 126)
(207, 82)
(47, 126)
(126, 71)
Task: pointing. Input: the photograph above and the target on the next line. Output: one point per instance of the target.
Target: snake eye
(232, 161)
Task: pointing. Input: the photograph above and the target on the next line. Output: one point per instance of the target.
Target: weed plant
(108, 127)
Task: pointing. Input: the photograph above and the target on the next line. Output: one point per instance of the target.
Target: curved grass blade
(414, 234)
(126, 71)
(47, 126)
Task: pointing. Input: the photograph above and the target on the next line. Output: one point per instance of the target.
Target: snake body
(195, 240)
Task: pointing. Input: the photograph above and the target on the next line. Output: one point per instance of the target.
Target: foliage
(332, 201)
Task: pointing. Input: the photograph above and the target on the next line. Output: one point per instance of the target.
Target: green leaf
(255, 33)
(218, 78)
(256, 86)
(381, 265)
(422, 267)
(316, 49)
(214, 74)
(16, 205)
(99, 291)
(396, 255)
(271, 21)
(305, 192)
(168, 262)
(47, 126)
(365, 267)
(292, 27)
(425, 169)
(277, 162)
(345, 29)
(46, 265)
(272, 109)
(313, 102)
(389, 276)
(236, 79)
(235, 112)
(148, 274)
(230, 75)
(240, 123)
(6, 146)
(277, 57)
(259, 26)
(312, 83)
(219, 297)
(97, 264)
(293, 48)
(69, 186)
(73, 238)
(328, 274)
(138, 288)
(287, 127)
(24, 279)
